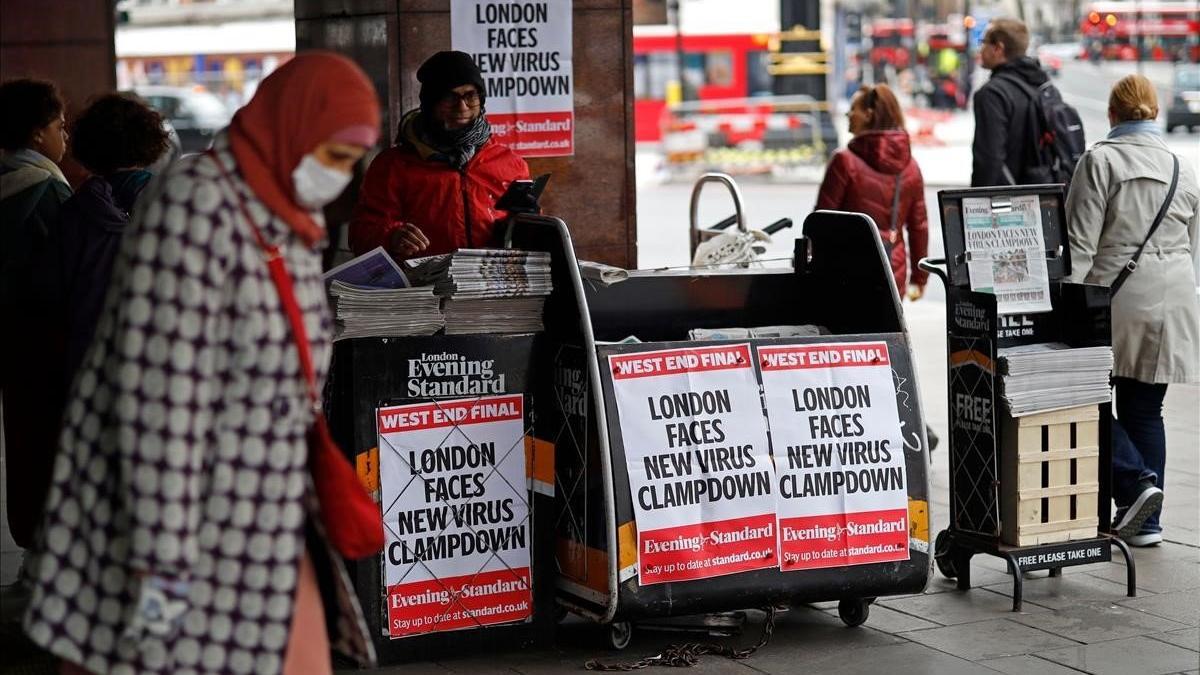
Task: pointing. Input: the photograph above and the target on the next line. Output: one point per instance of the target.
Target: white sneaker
(1131, 521)
(1143, 540)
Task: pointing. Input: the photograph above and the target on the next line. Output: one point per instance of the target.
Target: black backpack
(1058, 141)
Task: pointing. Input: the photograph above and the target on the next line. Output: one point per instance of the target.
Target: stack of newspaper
(1051, 376)
(371, 297)
(488, 290)
(361, 311)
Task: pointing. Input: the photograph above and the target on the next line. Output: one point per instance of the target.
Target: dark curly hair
(116, 132)
(26, 106)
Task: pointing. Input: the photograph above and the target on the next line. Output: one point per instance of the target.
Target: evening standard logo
(715, 538)
(531, 127)
(835, 532)
(467, 590)
(571, 390)
(970, 317)
(452, 374)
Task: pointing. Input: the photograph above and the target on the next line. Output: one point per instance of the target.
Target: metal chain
(688, 654)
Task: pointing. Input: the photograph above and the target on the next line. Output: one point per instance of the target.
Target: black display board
(369, 373)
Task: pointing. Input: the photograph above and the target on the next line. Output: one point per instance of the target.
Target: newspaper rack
(370, 373)
(1033, 491)
(840, 280)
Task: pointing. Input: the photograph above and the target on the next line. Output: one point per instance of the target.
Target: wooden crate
(1049, 476)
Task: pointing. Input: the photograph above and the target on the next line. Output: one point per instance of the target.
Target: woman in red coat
(865, 177)
(436, 190)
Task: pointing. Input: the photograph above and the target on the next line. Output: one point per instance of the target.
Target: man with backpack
(1024, 133)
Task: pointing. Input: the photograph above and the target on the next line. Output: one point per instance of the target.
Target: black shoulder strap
(896, 206)
(1035, 114)
(1162, 212)
(1021, 84)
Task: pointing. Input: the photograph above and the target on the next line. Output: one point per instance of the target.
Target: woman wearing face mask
(115, 138)
(436, 190)
(182, 530)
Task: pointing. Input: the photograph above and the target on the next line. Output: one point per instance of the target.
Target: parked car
(1051, 63)
(1184, 110)
(196, 114)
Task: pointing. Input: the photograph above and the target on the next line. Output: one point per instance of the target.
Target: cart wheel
(619, 635)
(942, 555)
(854, 612)
(560, 613)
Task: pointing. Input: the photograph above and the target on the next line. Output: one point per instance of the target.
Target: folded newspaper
(487, 290)
(373, 269)
(806, 330)
(1050, 376)
(360, 311)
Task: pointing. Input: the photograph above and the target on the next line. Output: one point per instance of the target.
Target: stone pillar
(594, 190)
(69, 43)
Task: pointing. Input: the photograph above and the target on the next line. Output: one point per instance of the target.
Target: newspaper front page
(1007, 255)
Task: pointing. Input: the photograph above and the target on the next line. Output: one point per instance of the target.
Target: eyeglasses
(452, 99)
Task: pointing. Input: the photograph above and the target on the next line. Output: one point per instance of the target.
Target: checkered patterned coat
(183, 451)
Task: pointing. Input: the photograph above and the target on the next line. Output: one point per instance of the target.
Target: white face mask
(316, 184)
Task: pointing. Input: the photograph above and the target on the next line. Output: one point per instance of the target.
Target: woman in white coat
(1119, 186)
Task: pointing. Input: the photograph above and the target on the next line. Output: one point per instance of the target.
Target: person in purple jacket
(115, 138)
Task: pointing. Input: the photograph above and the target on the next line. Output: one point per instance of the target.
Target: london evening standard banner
(524, 51)
(698, 460)
(839, 454)
(455, 513)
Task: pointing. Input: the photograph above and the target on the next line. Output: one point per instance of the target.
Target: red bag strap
(283, 285)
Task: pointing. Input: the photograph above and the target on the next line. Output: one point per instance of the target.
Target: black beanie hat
(444, 71)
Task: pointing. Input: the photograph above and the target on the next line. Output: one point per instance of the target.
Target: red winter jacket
(862, 178)
(454, 209)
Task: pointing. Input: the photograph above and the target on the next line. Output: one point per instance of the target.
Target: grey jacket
(1117, 189)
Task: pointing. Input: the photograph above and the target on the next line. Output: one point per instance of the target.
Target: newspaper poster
(456, 514)
(524, 52)
(698, 459)
(1007, 255)
(839, 454)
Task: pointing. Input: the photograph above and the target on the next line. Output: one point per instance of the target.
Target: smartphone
(522, 195)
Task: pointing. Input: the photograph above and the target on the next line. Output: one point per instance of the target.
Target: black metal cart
(840, 280)
(980, 428)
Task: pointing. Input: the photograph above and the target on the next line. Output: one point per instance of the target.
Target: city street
(1079, 621)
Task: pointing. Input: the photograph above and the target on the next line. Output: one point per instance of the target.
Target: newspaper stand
(368, 373)
(1041, 481)
(840, 281)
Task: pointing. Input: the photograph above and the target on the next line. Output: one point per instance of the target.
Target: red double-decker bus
(1152, 31)
(891, 43)
(715, 67)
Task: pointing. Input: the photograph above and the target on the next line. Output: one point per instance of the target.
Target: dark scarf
(456, 147)
(126, 186)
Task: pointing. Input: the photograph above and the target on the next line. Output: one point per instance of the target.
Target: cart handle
(694, 208)
(729, 220)
(781, 224)
(936, 267)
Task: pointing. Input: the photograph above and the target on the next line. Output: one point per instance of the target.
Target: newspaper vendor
(436, 190)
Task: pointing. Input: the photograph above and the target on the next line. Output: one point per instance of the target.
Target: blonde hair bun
(1133, 98)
